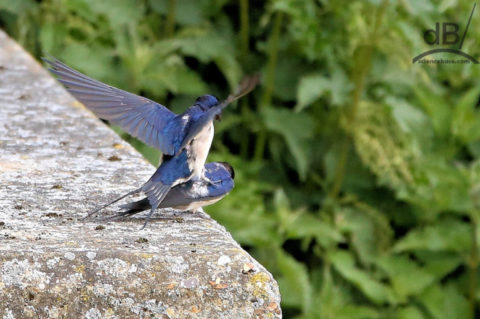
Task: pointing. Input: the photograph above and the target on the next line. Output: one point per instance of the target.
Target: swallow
(191, 195)
(184, 139)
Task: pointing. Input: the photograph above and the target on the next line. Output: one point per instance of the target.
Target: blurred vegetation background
(357, 171)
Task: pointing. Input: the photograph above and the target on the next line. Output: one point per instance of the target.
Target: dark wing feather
(137, 115)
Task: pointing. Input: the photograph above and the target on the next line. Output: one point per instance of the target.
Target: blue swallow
(184, 139)
(192, 195)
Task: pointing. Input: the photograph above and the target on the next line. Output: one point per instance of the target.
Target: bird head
(229, 168)
(205, 102)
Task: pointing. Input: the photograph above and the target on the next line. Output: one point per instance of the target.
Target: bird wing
(139, 116)
(245, 87)
(173, 171)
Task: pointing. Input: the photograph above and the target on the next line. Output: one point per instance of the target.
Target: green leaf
(367, 229)
(466, 120)
(335, 300)
(439, 263)
(118, 12)
(295, 286)
(406, 276)
(440, 186)
(98, 67)
(449, 234)
(305, 225)
(51, 36)
(410, 119)
(187, 12)
(410, 312)
(340, 87)
(439, 111)
(374, 290)
(284, 86)
(356, 312)
(17, 6)
(296, 129)
(445, 302)
(311, 87)
(206, 46)
(230, 68)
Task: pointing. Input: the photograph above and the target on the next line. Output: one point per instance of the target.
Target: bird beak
(218, 117)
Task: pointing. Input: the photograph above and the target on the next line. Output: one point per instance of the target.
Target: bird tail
(113, 202)
(137, 206)
(156, 192)
(130, 209)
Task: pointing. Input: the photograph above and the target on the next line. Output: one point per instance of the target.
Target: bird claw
(147, 219)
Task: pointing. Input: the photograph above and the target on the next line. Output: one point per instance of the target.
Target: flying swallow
(184, 139)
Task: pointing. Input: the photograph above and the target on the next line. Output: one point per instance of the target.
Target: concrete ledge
(57, 162)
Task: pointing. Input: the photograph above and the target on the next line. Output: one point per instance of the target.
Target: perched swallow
(184, 139)
(190, 195)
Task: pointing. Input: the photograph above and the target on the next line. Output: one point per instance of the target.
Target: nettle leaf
(190, 12)
(314, 86)
(17, 6)
(410, 119)
(175, 77)
(445, 302)
(448, 234)
(206, 46)
(189, 82)
(52, 35)
(340, 87)
(409, 313)
(187, 12)
(296, 129)
(439, 263)
(99, 66)
(285, 87)
(356, 312)
(306, 225)
(438, 110)
(440, 186)
(406, 276)
(118, 12)
(295, 286)
(466, 119)
(367, 230)
(336, 299)
(374, 290)
(230, 68)
(310, 88)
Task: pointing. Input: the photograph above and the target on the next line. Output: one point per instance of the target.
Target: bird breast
(197, 204)
(201, 146)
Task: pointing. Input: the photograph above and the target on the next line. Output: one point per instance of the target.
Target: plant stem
(244, 27)
(170, 24)
(245, 140)
(244, 40)
(269, 83)
(473, 266)
(359, 75)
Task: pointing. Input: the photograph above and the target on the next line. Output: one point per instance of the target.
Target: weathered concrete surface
(57, 162)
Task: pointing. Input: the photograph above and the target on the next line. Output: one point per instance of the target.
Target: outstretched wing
(137, 115)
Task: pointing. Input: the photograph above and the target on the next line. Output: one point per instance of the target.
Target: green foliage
(358, 172)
